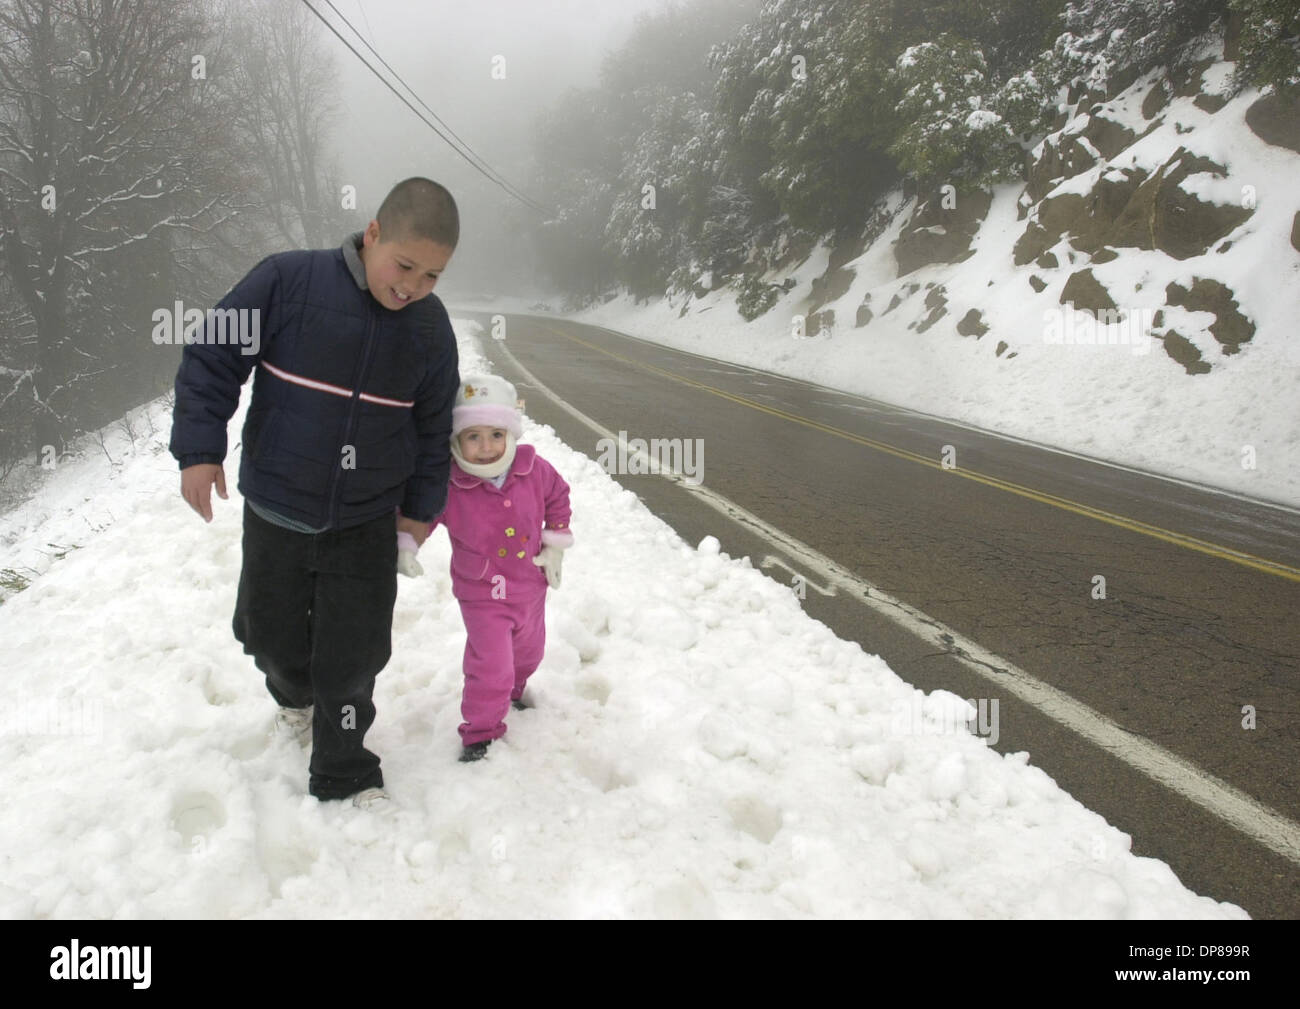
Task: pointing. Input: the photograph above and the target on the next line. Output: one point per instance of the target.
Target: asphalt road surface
(970, 562)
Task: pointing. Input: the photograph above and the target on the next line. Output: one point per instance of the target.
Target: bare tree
(112, 155)
(287, 104)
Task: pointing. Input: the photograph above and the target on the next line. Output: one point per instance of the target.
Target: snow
(1217, 79)
(699, 746)
(1088, 146)
(1210, 188)
(1073, 128)
(908, 57)
(982, 119)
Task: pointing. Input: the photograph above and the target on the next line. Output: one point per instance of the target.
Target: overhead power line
(414, 94)
(362, 8)
(473, 159)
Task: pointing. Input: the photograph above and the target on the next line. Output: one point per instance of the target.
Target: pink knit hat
(486, 401)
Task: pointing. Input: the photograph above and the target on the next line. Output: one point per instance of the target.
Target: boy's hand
(196, 487)
(420, 530)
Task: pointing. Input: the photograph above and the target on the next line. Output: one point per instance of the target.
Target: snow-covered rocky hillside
(1135, 300)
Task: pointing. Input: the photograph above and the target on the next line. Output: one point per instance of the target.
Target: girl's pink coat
(495, 534)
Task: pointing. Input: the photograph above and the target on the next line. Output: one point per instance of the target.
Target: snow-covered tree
(284, 90)
(799, 100)
(727, 228)
(579, 150)
(1103, 37)
(806, 124)
(646, 124)
(1269, 44)
(111, 155)
(950, 130)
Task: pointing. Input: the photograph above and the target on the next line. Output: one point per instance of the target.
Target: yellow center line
(1121, 521)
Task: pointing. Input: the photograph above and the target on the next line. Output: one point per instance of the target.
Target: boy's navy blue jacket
(351, 409)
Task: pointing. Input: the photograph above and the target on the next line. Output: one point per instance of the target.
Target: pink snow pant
(505, 645)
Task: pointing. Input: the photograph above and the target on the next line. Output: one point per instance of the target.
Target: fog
(446, 52)
(179, 142)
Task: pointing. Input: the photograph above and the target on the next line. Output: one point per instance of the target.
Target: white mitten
(549, 560)
(406, 550)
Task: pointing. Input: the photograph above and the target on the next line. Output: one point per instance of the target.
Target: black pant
(316, 613)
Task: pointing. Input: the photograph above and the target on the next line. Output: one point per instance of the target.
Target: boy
(349, 422)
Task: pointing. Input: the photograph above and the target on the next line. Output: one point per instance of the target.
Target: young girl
(508, 517)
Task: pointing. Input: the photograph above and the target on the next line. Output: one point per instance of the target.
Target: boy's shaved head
(419, 208)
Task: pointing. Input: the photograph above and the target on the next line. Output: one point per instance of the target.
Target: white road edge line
(1244, 813)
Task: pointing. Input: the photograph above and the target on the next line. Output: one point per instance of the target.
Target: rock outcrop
(1276, 121)
(941, 230)
(1230, 328)
(1095, 193)
(1086, 293)
(1127, 208)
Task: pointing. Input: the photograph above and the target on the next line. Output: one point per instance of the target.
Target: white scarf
(485, 470)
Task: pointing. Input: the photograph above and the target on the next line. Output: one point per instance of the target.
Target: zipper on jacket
(349, 429)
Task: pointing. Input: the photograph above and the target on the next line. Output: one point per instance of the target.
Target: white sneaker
(373, 799)
(295, 723)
